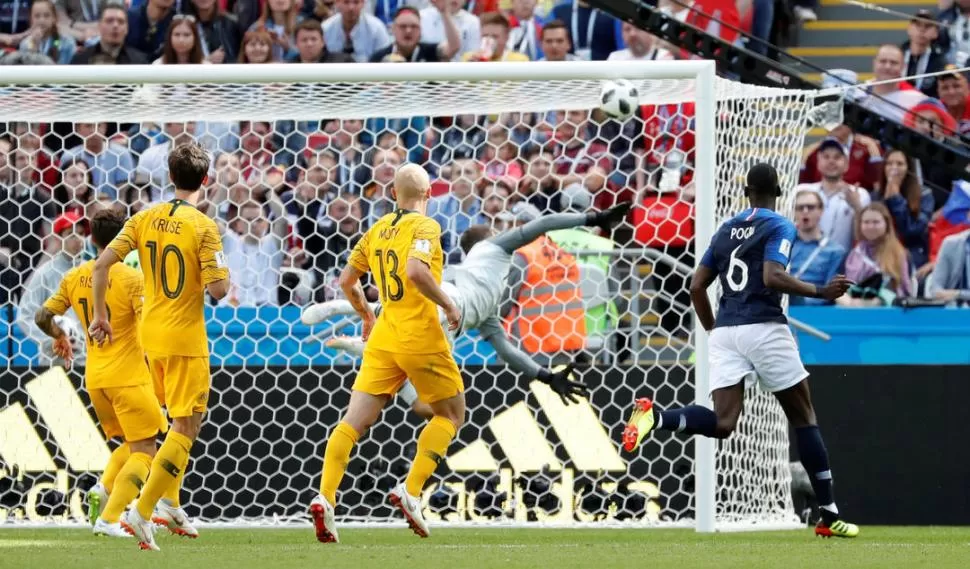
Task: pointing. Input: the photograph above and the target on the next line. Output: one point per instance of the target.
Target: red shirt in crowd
(708, 15)
(865, 164)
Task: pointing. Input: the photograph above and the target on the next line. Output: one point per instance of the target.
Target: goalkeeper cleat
(838, 528)
(142, 529)
(104, 528)
(411, 508)
(317, 313)
(174, 519)
(97, 500)
(322, 513)
(350, 344)
(640, 423)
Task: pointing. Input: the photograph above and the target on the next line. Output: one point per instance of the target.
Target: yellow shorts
(131, 412)
(181, 383)
(434, 376)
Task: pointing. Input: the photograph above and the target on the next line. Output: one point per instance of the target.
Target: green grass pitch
(467, 548)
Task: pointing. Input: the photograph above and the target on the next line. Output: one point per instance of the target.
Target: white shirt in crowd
(657, 54)
(894, 105)
(469, 28)
(838, 218)
(153, 167)
(254, 268)
(369, 35)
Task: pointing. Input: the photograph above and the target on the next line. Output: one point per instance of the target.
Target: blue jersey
(737, 253)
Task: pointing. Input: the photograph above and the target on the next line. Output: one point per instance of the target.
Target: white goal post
(741, 483)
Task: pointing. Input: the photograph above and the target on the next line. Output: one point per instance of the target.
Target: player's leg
(99, 494)
(378, 379)
(410, 396)
(439, 384)
(316, 313)
(517, 237)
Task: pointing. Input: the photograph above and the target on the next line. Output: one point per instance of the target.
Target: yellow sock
(116, 462)
(335, 458)
(432, 445)
(171, 460)
(128, 484)
(172, 493)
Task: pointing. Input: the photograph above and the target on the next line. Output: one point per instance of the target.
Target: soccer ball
(131, 259)
(619, 99)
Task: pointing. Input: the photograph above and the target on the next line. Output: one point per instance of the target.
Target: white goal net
(303, 158)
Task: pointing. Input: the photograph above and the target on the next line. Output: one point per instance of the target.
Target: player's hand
(368, 327)
(100, 330)
(64, 349)
(560, 380)
(835, 287)
(454, 316)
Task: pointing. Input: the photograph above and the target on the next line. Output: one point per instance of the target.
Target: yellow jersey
(121, 362)
(408, 322)
(180, 251)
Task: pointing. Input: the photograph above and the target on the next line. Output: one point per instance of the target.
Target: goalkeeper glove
(560, 380)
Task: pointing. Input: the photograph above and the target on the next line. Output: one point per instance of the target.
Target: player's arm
(349, 282)
(702, 280)
(559, 381)
(427, 244)
(100, 328)
(45, 316)
(776, 276)
(212, 261)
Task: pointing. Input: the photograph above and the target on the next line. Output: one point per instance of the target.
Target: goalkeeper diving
(477, 286)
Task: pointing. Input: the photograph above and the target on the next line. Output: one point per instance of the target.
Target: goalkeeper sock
(432, 445)
(116, 462)
(171, 460)
(172, 493)
(335, 458)
(815, 459)
(690, 420)
(129, 482)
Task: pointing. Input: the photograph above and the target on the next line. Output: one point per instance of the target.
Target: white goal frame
(701, 72)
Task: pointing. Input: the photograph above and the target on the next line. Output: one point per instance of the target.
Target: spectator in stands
(544, 308)
(950, 280)
(842, 201)
(464, 138)
(500, 155)
(183, 45)
(311, 48)
(15, 19)
(353, 32)
(148, 26)
(153, 165)
(576, 147)
(640, 46)
(495, 38)
(383, 163)
(864, 166)
(593, 33)
(334, 239)
(555, 42)
(407, 46)
(910, 204)
(221, 36)
(931, 118)
(956, 21)
(461, 208)
(814, 257)
(495, 200)
(433, 26)
(253, 249)
(540, 186)
(955, 95)
(280, 18)
(111, 48)
(25, 208)
(322, 171)
(878, 264)
(70, 235)
(525, 35)
(76, 191)
(891, 99)
(257, 47)
(79, 18)
(44, 36)
(921, 53)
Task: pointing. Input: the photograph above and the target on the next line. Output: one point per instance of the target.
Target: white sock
(831, 508)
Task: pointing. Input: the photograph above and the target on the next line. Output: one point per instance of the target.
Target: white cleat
(411, 508)
(174, 519)
(142, 529)
(323, 523)
(350, 344)
(102, 527)
(97, 500)
(317, 313)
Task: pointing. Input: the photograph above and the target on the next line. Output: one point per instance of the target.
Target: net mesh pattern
(299, 171)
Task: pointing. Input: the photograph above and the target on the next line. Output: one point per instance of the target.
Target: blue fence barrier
(863, 336)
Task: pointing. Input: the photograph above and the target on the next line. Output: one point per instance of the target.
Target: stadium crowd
(293, 196)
